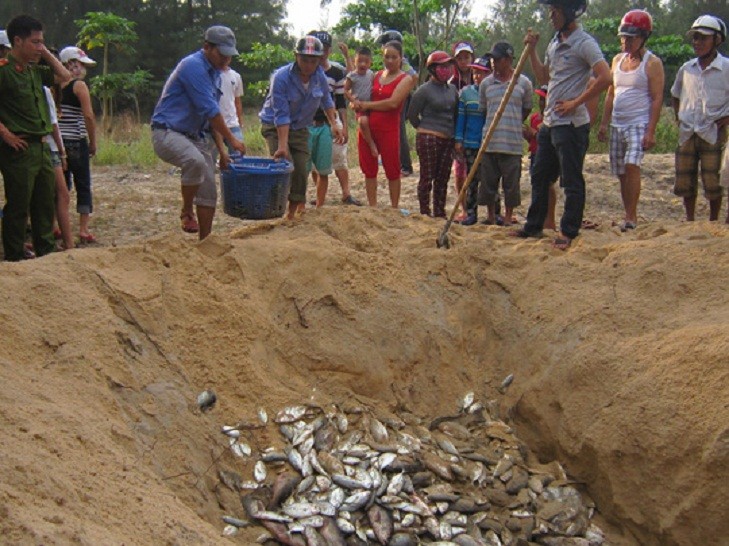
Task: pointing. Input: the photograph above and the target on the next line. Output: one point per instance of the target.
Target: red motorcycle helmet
(636, 22)
(438, 57)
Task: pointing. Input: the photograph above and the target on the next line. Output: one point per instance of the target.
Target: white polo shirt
(703, 98)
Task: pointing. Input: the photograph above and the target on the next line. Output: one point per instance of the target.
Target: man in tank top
(632, 108)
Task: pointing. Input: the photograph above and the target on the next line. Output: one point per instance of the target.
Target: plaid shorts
(692, 153)
(626, 147)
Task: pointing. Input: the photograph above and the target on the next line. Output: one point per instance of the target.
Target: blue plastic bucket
(256, 188)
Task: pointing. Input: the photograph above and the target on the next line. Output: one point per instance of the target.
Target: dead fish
(230, 530)
(455, 430)
(229, 431)
(403, 539)
(348, 483)
(378, 430)
(290, 414)
(298, 510)
(324, 438)
(313, 538)
(295, 458)
(231, 480)
(466, 402)
(381, 522)
(305, 484)
(436, 465)
(240, 449)
(230, 520)
(355, 501)
(263, 416)
(281, 533)
(395, 485)
(345, 526)
(259, 471)
(505, 383)
(331, 533)
(283, 487)
(206, 400)
(274, 457)
(385, 460)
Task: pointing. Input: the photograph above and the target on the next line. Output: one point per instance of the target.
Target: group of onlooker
(198, 118)
(48, 136)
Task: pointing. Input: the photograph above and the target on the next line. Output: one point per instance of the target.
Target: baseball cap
(4, 42)
(542, 91)
(223, 38)
(324, 37)
(462, 46)
(501, 50)
(72, 53)
(482, 63)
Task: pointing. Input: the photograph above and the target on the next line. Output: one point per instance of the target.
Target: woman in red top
(390, 88)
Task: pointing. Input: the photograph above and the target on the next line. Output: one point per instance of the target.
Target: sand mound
(618, 348)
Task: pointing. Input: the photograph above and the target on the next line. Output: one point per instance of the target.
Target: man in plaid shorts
(700, 97)
(632, 108)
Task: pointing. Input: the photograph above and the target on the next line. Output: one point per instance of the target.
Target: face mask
(443, 72)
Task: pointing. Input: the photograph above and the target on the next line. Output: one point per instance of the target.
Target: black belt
(191, 136)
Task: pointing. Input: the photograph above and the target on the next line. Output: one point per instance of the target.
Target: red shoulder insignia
(3, 62)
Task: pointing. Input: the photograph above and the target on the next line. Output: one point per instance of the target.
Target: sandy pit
(618, 347)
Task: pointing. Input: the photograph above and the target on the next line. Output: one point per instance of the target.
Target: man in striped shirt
(502, 160)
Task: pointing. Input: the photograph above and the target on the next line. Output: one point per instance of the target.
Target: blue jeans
(560, 153)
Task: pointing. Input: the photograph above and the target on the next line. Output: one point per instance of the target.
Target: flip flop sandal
(587, 224)
(562, 243)
(87, 239)
(625, 226)
(189, 224)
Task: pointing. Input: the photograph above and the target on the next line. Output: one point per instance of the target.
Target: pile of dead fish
(340, 476)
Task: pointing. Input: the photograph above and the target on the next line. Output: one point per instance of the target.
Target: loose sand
(619, 348)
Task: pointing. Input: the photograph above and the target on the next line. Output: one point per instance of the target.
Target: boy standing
(700, 98)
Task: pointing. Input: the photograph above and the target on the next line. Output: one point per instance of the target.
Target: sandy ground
(619, 349)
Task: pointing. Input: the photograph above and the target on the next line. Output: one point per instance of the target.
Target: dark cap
(482, 63)
(324, 37)
(501, 50)
(223, 38)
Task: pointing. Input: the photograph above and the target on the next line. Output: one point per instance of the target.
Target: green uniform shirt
(23, 106)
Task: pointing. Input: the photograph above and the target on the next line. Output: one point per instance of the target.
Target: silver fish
(381, 522)
(508, 380)
(206, 400)
(466, 401)
(230, 520)
(290, 414)
(240, 449)
(355, 501)
(298, 510)
(230, 530)
(229, 431)
(313, 538)
(259, 471)
(263, 416)
(378, 430)
(295, 458)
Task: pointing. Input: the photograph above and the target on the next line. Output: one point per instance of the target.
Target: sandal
(625, 226)
(587, 224)
(524, 234)
(189, 224)
(87, 239)
(562, 243)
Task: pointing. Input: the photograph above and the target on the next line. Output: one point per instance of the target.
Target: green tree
(106, 30)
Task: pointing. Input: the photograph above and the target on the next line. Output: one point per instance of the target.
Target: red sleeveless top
(385, 119)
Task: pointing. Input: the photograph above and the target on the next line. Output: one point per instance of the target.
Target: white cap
(75, 54)
(4, 39)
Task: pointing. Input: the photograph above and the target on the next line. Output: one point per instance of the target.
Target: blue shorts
(320, 148)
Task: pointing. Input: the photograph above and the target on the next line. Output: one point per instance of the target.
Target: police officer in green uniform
(25, 161)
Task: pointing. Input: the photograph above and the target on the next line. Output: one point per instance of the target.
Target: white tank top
(632, 101)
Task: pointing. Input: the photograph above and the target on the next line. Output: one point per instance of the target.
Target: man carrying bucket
(185, 113)
(297, 90)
